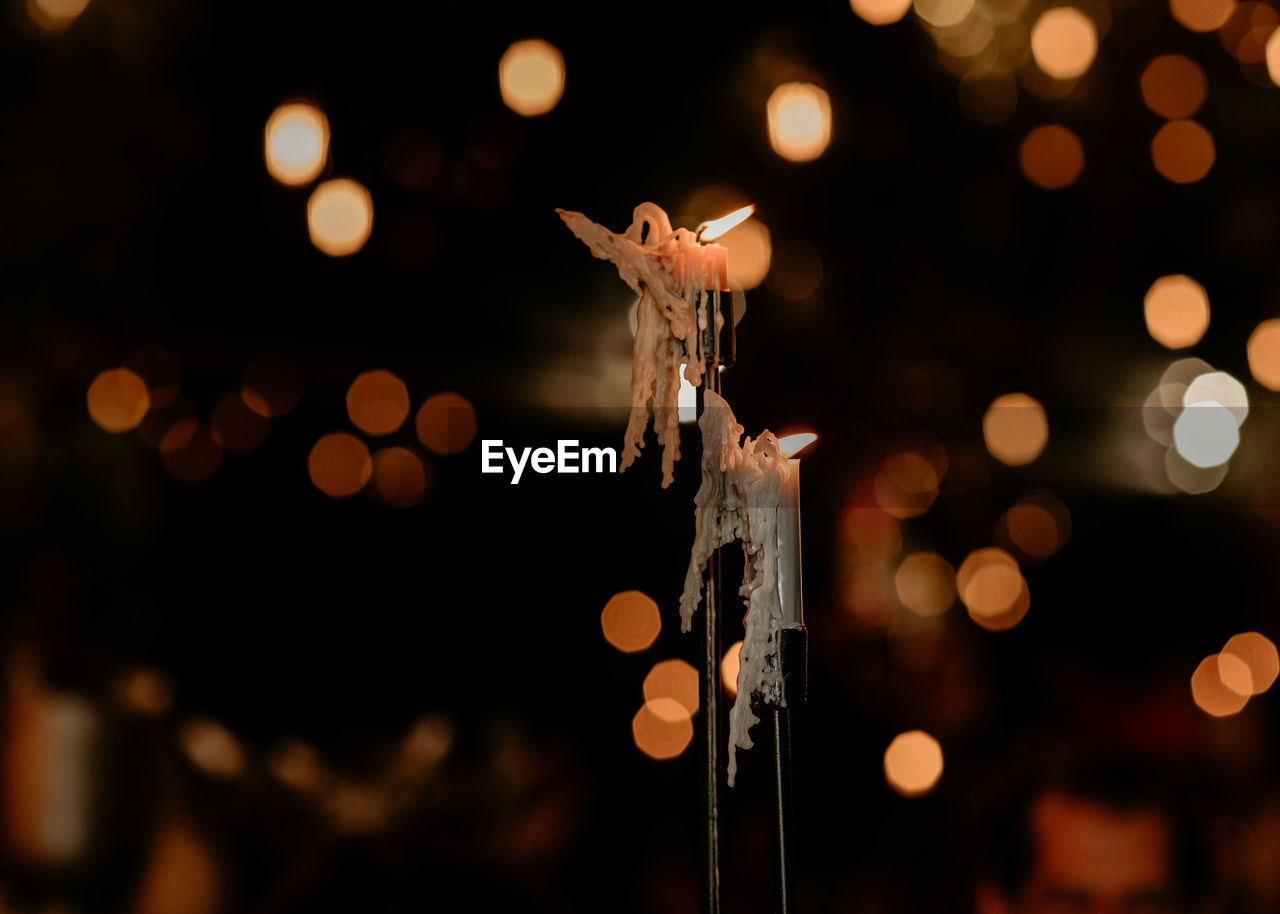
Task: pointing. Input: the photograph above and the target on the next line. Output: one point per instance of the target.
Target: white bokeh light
(1206, 434)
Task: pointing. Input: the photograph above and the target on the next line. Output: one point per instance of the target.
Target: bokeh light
(1190, 478)
(297, 765)
(906, 484)
(377, 402)
(1263, 350)
(270, 387)
(296, 143)
(1211, 694)
(880, 12)
(446, 423)
(400, 478)
(191, 452)
(1202, 15)
(1206, 434)
(730, 665)
(118, 400)
(1176, 309)
(750, 251)
(1235, 674)
(1183, 151)
(143, 691)
(211, 748)
(531, 77)
(1015, 429)
(1220, 388)
(913, 763)
(992, 588)
(181, 875)
(630, 621)
(340, 216)
(799, 116)
(1051, 156)
(1272, 53)
(1258, 653)
(662, 728)
(1064, 42)
(1174, 86)
(943, 13)
(1247, 31)
(925, 583)
(235, 427)
(673, 679)
(1037, 526)
(55, 15)
(339, 464)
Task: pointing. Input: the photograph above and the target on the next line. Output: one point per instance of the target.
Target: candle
(790, 571)
(672, 271)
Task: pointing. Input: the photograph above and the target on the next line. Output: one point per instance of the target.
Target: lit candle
(790, 571)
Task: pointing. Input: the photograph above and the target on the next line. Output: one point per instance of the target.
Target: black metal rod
(783, 883)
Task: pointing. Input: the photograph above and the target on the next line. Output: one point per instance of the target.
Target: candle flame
(709, 231)
(794, 444)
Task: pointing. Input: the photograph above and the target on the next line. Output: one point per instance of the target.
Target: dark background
(137, 211)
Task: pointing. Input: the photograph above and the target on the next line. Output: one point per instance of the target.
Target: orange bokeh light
(236, 427)
(925, 583)
(1174, 86)
(1259, 655)
(673, 679)
(992, 588)
(1183, 151)
(1211, 694)
(880, 12)
(1064, 42)
(662, 728)
(630, 621)
(400, 478)
(1015, 428)
(118, 400)
(446, 423)
(531, 77)
(377, 402)
(270, 387)
(799, 116)
(296, 143)
(1202, 15)
(730, 665)
(1264, 353)
(1037, 526)
(913, 763)
(340, 216)
(1051, 156)
(339, 464)
(1176, 309)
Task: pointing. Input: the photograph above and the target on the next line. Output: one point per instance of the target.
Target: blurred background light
(1176, 309)
(400, 478)
(1220, 388)
(1015, 429)
(1206, 434)
(799, 118)
(992, 588)
(531, 77)
(1258, 653)
(1202, 15)
(630, 621)
(673, 679)
(340, 217)
(880, 12)
(943, 13)
(211, 748)
(1235, 674)
(296, 143)
(1064, 42)
(1051, 156)
(1272, 52)
(377, 402)
(662, 728)
(1183, 151)
(182, 873)
(339, 464)
(1037, 526)
(1245, 33)
(1189, 478)
(55, 15)
(795, 270)
(235, 427)
(1209, 692)
(913, 763)
(1263, 351)
(925, 583)
(730, 664)
(750, 253)
(1174, 86)
(270, 387)
(118, 400)
(446, 423)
